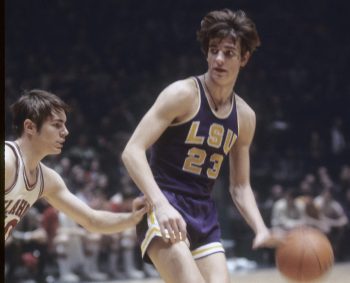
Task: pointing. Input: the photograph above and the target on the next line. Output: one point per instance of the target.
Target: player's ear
(29, 126)
(245, 58)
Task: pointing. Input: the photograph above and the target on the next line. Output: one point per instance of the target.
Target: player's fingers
(139, 202)
(175, 231)
(182, 230)
(170, 232)
(255, 245)
(164, 233)
(140, 213)
(260, 242)
(279, 237)
(268, 242)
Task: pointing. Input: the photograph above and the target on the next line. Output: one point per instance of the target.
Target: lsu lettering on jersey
(21, 195)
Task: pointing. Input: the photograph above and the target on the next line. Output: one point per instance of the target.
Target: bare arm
(172, 103)
(105, 222)
(240, 187)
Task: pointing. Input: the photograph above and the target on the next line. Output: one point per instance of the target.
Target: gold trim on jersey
(207, 249)
(154, 231)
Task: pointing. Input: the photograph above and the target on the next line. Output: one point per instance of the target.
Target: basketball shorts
(203, 230)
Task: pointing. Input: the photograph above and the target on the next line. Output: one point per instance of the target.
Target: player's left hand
(268, 239)
(140, 206)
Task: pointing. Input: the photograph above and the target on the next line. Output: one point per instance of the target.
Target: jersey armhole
(197, 110)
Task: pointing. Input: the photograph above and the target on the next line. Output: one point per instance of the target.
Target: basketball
(305, 255)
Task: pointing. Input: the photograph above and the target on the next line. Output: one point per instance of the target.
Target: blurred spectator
(275, 194)
(26, 252)
(77, 252)
(334, 215)
(338, 143)
(308, 185)
(344, 178)
(344, 247)
(287, 212)
(127, 245)
(316, 148)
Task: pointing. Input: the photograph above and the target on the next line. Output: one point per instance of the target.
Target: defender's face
(52, 134)
(225, 60)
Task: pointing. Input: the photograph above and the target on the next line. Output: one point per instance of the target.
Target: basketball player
(39, 118)
(192, 126)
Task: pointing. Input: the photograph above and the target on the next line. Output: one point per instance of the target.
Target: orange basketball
(306, 255)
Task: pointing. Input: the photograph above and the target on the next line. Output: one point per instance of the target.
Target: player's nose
(220, 57)
(65, 132)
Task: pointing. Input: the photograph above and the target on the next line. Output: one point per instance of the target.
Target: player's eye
(230, 53)
(213, 50)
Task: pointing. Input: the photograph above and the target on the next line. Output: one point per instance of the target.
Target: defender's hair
(223, 23)
(36, 105)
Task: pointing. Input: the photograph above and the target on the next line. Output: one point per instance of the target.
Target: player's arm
(171, 104)
(105, 222)
(240, 187)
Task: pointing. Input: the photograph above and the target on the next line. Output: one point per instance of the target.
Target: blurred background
(110, 59)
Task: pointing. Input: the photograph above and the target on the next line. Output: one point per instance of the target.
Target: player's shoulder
(246, 121)
(10, 157)
(10, 166)
(48, 172)
(181, 89)
(243, 108)
(51, 178)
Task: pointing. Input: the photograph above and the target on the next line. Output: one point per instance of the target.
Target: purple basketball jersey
(187, 158)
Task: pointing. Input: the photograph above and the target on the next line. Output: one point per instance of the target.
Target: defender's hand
(140, 206)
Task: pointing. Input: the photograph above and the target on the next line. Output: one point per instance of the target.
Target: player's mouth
(60, 144)
(220, 70)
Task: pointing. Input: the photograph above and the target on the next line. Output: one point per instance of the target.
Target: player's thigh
(214, 268)
(174, 262)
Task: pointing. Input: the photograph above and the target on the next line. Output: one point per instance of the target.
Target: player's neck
(219, 94)
(30, 155)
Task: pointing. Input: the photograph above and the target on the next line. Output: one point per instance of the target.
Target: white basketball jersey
(21, 195)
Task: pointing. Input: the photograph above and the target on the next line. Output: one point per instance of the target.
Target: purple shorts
(200, 215)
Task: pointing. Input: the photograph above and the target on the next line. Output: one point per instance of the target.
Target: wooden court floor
(340, 273)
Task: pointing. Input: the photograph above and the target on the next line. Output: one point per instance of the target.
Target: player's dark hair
(36, 105)
(223, 23)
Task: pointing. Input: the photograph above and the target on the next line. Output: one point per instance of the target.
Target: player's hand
(268, 239)
(172, 225)
(140, 206)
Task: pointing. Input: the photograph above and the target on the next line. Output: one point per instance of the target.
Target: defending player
(39, 118)
(192, 126)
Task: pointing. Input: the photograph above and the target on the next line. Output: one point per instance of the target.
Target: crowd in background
(110, 59)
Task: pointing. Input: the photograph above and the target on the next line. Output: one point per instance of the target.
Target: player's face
(224, 60)
(53, 132)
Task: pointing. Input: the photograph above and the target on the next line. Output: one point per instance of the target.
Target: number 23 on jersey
(196, 157)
